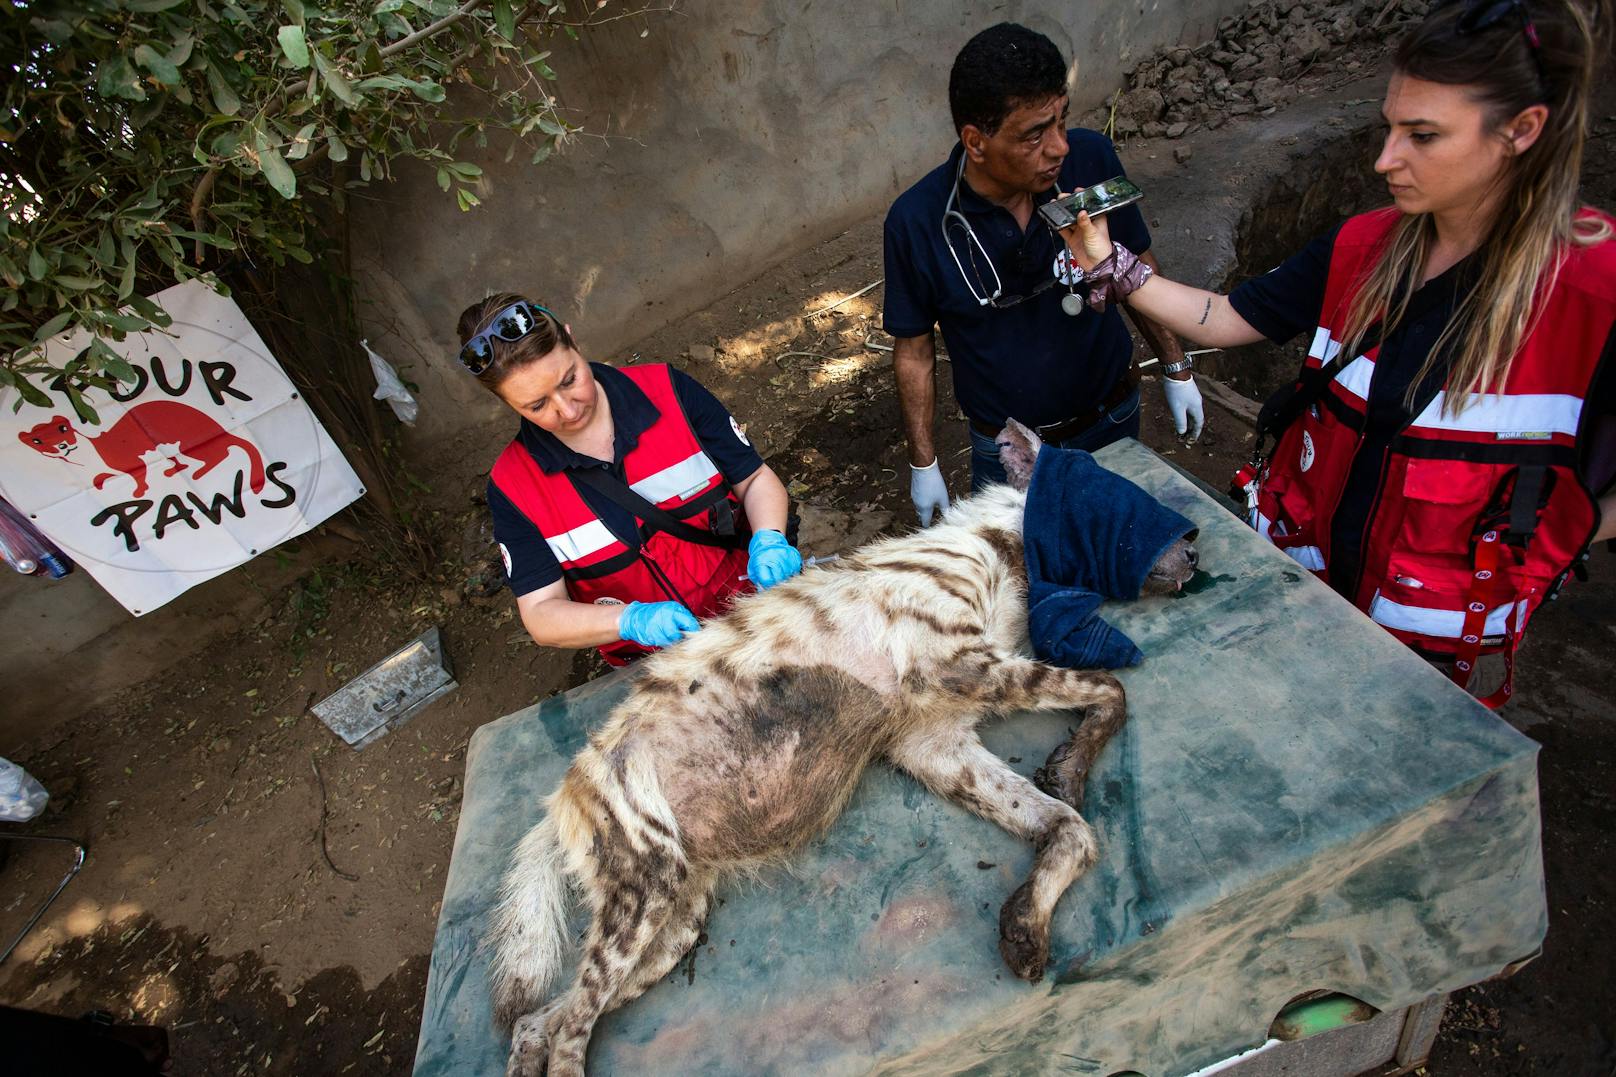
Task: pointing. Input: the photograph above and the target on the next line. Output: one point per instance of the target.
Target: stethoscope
(1071, 302)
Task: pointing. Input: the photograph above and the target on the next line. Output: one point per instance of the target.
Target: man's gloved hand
(928, 490)
(656, 624)
(1184, 401)
(770, 559)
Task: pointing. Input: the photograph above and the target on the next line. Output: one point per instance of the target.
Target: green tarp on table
(1296, 803)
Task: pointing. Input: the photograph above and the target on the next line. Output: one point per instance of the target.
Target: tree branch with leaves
(148, 142)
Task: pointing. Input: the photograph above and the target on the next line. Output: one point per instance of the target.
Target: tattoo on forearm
(1206, 312)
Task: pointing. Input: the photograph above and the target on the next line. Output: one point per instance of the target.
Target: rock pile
(1253, 64)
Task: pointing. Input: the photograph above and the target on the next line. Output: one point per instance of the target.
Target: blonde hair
(1536, 222)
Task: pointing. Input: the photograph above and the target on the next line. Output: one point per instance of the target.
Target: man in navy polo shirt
(966, 251)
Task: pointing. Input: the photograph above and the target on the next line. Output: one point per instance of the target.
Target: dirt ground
(270, 896)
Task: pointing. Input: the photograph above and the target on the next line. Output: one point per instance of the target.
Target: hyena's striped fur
(746, 740)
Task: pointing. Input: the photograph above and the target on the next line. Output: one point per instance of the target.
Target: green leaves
(461, 171)
(52, 327)
(115, 77)
(274, 166)
(301, 143)
(337, 149)
(224, 97)
(295, 48)
(422, 88)
(340, 88)
(161, 68)
(31, 393)
(170, 133)
(505, 19)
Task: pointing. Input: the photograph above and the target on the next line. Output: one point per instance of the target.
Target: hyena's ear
(1018, 451)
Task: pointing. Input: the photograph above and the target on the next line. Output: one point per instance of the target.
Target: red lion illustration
(166, 427)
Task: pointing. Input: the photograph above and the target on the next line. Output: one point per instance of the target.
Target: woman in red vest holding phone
(630, 504)
(1452, 438)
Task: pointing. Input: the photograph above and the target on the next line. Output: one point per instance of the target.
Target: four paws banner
(209, 458)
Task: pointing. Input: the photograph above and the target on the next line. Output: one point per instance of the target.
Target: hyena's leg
(1010, 682)
(1066, 771)
(1016, 683)
(636, 892)
(953, 763)
(682, 930)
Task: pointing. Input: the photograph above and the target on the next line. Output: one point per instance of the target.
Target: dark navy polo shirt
(1031, 361)
(530, 564)
(1289, 300)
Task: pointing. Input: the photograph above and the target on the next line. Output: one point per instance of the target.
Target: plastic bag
(390, 388)
(25, 549)
(21, 797)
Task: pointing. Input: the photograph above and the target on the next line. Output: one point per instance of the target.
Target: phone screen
(1101, 198)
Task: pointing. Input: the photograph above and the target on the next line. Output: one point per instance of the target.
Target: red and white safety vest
(667, 468)
(1479, 515)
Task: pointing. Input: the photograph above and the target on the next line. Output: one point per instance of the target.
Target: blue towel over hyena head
(1089, 535)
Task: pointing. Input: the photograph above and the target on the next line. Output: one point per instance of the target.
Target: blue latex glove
(770, 559)
(656, 624)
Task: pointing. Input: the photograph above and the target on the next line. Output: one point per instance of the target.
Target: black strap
(656, 519)
(1533, 483)
(1283, 408)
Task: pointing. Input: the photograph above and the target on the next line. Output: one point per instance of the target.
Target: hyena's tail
(529, 926)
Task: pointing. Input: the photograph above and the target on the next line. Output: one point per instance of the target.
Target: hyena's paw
(530, 1047)
(1064, 774)
(1023, 942)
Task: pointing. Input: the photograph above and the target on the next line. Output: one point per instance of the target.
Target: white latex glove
(928, 491)
(1184, 401)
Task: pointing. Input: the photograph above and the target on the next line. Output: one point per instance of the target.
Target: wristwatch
(1185, 363)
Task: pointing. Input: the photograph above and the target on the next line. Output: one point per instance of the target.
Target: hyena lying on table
(746, 740)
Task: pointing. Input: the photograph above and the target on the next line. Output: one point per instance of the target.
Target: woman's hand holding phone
(1089, 240)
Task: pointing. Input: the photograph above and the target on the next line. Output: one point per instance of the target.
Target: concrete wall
(738, 133)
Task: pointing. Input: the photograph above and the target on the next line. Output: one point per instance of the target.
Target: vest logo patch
(1307, 450)
(1066, 270)
(739, 433)
(505, 556)
(1523, 435)
(608, 600)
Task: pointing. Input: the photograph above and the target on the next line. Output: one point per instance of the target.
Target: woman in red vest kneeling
(1452, 443)
(630, 504)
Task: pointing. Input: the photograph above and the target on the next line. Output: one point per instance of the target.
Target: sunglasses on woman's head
(510, 325)
(1482, 15)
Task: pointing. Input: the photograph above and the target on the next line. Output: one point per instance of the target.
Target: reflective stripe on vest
(1523, 416)
(1438, 623)
(582, 541)
(676, 482)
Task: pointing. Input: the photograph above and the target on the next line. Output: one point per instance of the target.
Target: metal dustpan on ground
(389, 693)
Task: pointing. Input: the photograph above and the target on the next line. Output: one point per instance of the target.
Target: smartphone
(1101, 198)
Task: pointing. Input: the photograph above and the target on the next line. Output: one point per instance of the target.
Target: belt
(1070, 428)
